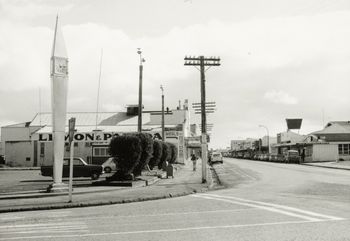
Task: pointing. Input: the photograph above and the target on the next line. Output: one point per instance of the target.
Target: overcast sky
(280, 59)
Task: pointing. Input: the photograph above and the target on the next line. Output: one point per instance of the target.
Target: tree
(146, 142)
(157, 154)
(127, 150)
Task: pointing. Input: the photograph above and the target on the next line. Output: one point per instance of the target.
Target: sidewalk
(343, 165)
(185, 182)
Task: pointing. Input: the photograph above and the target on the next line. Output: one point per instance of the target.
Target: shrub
(127, 150)
(173, 149)
(157, 154)
(147, 151)
(166, 154)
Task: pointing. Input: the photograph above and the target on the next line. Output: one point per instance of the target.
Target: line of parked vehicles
(290, 156)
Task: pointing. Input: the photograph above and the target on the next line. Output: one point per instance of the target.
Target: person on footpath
(194, 161)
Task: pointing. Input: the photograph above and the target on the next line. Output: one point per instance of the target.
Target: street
(262, 201)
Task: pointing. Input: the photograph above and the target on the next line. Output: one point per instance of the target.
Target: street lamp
(268, 138)
(163, 132)
(139, 126)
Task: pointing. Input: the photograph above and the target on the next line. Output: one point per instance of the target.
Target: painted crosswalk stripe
(290, 211)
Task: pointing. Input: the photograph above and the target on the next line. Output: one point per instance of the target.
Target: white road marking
(265, 205)
(156, 230)
(41, 225)
(271, 209)
(64, 230)
(11, 218)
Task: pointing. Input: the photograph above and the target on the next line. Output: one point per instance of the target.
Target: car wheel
(108, 170)
(95, 176)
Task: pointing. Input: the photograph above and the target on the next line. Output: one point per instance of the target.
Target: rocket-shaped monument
(59, 89)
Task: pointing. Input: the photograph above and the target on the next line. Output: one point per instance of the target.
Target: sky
(279, 59)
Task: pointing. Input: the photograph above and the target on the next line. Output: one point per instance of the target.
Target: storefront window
(101, 151)
(344, 149)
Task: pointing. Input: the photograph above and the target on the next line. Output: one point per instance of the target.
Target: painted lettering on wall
(81, 137)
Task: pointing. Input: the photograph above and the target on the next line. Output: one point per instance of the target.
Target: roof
(177, 117)
(89, 119)
(335, 127)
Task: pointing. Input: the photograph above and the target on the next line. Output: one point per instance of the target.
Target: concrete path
(185, 182)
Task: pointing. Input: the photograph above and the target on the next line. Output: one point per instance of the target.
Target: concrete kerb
(323, 166)
(100, 202)
(107, 202)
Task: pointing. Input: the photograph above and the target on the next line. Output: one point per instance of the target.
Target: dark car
(80, 169)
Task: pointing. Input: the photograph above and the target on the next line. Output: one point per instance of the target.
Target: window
(344, 149)
(101, 151)
(77, 162)
(42, 148)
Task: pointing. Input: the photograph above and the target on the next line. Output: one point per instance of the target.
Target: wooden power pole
(202, 62)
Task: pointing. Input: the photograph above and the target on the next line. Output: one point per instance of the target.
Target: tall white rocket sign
(59, 89)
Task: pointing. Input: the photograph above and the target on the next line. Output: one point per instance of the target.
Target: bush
(127, 150)
(157, 154)
(173, 156)
(166, 154)
(147, 151)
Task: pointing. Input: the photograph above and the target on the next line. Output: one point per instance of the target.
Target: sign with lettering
(80, 137)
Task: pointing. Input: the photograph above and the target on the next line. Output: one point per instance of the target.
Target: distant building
(238, 145)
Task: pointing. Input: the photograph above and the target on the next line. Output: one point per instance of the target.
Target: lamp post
(139, 126)
(163, 131)
(268, 138)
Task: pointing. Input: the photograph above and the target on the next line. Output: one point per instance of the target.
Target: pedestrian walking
(194, 161)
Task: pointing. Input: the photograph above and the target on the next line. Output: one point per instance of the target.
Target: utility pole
(139, 126)
(202, 62)
(163, 131)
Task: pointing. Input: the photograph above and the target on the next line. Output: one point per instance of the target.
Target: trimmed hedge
(157, 154)
(166, 154)
(174, 150)
(146, 142)
(127, 150)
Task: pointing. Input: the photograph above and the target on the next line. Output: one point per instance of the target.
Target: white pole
(71, 171)
(98, 89)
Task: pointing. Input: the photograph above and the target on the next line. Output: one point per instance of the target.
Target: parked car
(216, 157)
(292, 156)
(110, 165)
(246, 155)
(80, 169)
(265, 157)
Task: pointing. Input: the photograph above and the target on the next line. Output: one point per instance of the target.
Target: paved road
(263, 201)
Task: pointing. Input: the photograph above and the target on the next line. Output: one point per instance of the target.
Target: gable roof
(334, 127)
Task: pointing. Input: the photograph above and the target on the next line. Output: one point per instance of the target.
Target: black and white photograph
(175, 120)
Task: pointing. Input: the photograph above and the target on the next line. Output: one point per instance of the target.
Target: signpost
(71, 143)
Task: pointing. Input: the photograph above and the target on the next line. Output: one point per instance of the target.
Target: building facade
(30, 144)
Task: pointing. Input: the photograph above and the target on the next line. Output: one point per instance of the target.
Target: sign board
(294, 123)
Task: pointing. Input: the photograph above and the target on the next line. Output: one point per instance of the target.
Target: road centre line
(66, 230)
(156, 230)
(271, 209)
(310, 213)
(41, 225)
